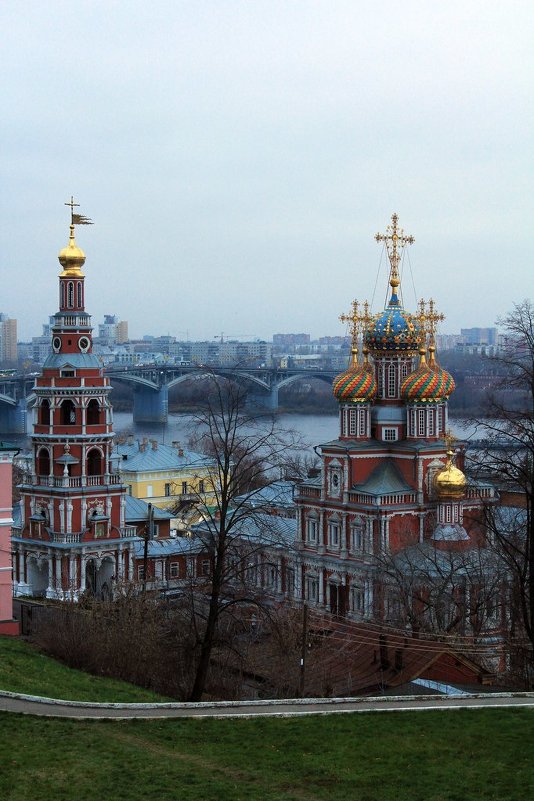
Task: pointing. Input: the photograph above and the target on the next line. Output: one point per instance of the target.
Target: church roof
(386, 479)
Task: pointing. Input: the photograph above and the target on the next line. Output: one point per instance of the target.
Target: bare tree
(508, 460)
(238, 537)
(453, 593)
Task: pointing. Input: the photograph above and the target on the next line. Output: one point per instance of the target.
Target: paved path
(34, 705)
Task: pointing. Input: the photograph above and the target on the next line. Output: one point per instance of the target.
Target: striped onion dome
(428, 383)
(357, 384)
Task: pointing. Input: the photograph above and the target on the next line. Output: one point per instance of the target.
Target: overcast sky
(237, 158)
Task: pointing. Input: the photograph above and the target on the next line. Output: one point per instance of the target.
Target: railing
(68, 538)
(309, 492)
(78, 481)
(128, 531)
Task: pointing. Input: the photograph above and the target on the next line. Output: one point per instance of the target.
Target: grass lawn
(464, 755)
(23, 669)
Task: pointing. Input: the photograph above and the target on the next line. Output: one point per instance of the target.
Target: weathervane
(77, 219)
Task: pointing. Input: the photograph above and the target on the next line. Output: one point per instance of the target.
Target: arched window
(94, 462)
(93, 413)
(43, 462)
(79, 293)
(392, 388)
(70, 294)
(68, 413)
(62, 295)
(44, 413)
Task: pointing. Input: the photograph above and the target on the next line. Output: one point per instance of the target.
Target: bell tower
(73, 531)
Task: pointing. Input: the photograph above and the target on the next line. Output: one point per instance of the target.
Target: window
(62, 295)
(420, 422)
(357, 600)
(36, 529)
(70, 294)
(68, 374)
(43, 462)
(129, 489)
(431, 423)
(101, 529)
(312, 589)
(174, 570)
(356, 538)
(167, 490)
(362, 422)
(206, 567)
(44, 413)
(190, 567)
(352, 421)
(79, 293)
(149, 491)
(201, 486)
(311, 529)
(141, 573)
(184, 487)
(93, 413)
(333, 534)
(391, 381)
(390, 434)
(68, 413)
(94, 462)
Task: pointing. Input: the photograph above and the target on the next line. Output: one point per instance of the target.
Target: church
(392, 484)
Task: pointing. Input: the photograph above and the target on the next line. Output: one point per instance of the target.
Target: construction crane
(221, 336)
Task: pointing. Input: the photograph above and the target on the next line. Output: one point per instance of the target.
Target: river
(313, 428)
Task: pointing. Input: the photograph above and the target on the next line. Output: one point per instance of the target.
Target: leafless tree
(508, 461)
(238, 537)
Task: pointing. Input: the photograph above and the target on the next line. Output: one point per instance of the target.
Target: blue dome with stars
(394, 330)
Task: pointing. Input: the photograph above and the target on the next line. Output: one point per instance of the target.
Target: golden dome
(450, 482)
(71, 258)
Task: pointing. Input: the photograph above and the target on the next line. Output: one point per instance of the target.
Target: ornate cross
(72, 205)
(395, 240)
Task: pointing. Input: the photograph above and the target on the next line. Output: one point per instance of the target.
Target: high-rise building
(113, 331)
(8, 339)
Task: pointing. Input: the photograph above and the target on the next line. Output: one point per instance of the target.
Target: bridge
(151, 385)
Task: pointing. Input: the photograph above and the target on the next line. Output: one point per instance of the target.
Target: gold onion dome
(72, 258)
(428, 383)
(450, 481)
(357, 384)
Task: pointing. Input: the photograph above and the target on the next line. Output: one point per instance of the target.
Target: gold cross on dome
(395, 240)
(72, 205)
(433, 317)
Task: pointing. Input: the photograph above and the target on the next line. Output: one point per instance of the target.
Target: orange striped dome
(355, 385)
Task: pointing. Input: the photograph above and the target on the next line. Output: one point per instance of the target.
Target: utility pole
(149, 530)
(304, 649)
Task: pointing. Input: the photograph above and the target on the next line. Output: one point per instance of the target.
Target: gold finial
(449, 440)
(395, 240)
(354, 321)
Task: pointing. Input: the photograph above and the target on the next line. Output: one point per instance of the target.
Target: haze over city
(238, 158)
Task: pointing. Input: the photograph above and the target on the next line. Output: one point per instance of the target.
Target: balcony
(78, 481)
(309, 492)
(68, 538)
(128, 531)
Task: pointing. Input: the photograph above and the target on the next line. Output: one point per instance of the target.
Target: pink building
(7, 624)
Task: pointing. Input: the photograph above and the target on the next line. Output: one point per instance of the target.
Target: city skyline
(238, 159)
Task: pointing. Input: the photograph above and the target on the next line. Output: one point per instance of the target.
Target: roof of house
(137, 509)
(277, 494)
(150, 456)
(173, 546)
(262, 530)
